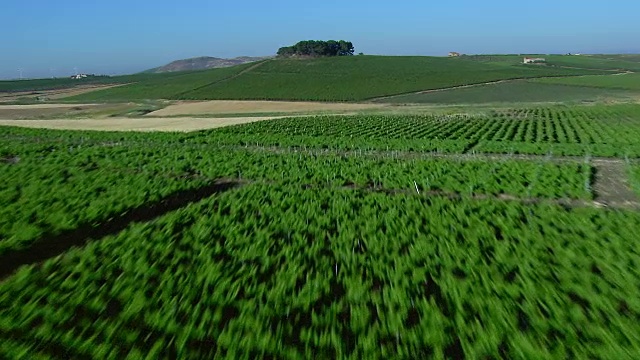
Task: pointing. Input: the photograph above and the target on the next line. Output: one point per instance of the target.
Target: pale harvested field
(241, 107)
(136, 124)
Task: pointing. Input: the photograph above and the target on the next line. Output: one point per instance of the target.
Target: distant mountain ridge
(204, 62)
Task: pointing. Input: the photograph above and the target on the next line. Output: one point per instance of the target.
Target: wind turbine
(20, 72)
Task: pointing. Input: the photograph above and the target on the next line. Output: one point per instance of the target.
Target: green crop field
(611, 130)
(330, 79)
(624, 57)
(163, 86)
(592, 62)
(355, 237)
(624, 81)
(523, 91)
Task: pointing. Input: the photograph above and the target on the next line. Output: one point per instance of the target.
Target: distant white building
(79, 76)
(529, 60)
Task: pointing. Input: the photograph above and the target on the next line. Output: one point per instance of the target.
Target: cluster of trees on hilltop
(318, 48)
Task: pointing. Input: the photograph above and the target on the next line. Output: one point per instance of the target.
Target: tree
(346, 48)
(286, 51)
(318, 48)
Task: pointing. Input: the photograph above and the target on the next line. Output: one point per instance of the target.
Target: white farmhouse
(529, 60)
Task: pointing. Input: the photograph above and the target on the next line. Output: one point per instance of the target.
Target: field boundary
(234, 76)
(485, 84)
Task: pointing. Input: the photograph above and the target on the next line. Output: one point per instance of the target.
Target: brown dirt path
(611, 185)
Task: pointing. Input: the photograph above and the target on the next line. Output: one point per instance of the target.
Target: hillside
(520, 91)
(66, 82)
(204, 63)
(353, 78)
(623, 81)
(165, 85)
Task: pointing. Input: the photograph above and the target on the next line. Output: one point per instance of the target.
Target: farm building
(529, 60)
(454, 54)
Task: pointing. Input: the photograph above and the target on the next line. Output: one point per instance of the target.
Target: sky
(48, 38)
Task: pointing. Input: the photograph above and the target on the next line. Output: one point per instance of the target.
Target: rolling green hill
(624, 81)
(354, 78)
(593, 62)
(165, 86)
(65, 83)
(519, 91)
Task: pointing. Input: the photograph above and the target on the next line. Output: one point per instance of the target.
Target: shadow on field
(49, 246)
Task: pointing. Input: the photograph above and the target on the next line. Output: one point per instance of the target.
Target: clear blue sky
(116, 36)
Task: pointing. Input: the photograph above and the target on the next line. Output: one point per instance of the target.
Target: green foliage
(72, 183)
(558, 130)
(318, 48)
(284, 272)
(634, 178)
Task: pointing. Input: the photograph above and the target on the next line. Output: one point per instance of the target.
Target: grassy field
(521, 91)
(331, 79)
(624, 82)
(116, 245)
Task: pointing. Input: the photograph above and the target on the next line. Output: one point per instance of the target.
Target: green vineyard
(598, 130)
(479, 236)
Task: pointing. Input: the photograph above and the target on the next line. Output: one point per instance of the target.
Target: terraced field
(508, 234)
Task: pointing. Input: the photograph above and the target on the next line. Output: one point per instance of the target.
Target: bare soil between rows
(611, 186)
